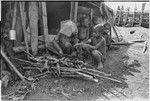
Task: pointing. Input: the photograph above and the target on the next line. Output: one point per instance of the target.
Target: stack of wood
(63, 67)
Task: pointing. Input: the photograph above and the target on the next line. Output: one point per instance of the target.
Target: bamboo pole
(23, 20)
(33, 16)
(14, 16)
(71, 11)
(75, 11)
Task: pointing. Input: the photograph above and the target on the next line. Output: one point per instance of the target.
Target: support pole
(33, 16)
(23, 20)
(44, 17)
(74, 11)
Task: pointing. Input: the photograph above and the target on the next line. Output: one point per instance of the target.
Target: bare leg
(98, 56)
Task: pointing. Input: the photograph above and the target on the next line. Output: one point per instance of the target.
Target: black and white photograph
(75, 50)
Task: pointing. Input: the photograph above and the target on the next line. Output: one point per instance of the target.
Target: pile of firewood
(63, 67)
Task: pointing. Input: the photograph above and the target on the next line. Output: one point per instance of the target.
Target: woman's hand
(60, 51)
(78, 44)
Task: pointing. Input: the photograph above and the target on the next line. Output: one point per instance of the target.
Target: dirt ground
(128, 64)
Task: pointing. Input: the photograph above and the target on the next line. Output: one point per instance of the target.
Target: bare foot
(100, 65)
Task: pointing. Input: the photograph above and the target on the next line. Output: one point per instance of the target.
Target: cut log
(33, 16)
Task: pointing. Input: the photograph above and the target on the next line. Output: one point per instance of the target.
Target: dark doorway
(56, 12)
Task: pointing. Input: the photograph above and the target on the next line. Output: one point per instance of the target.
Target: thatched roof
(99, 9)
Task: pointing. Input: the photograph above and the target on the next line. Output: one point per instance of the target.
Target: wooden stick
(97, 71)
(24, 28)
(28, 62)
(10, 63)
(75, 11)
(145, 47)
(123, 43)
(115, 33)
(102, 76)
(23, 48)
(109, 78)
(85, 75)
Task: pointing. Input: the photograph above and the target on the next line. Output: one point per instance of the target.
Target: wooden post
(141, 16)
(23, 20)
(40, 19)
(71, 11)
(119, 19)
(33, 16)
(74, 11)
(14, 17)
(44, 17)
(133, 16)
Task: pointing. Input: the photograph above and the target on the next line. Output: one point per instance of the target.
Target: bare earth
(128, 64)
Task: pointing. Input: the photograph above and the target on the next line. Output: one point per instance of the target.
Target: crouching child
(97, 47)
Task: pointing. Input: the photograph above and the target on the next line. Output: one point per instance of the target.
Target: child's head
(97, 30)
(107, 27)
(97, 20)
(84, 21)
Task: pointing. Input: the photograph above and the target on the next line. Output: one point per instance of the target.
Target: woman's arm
(96, 46)
(87, 36)
(56, 45)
